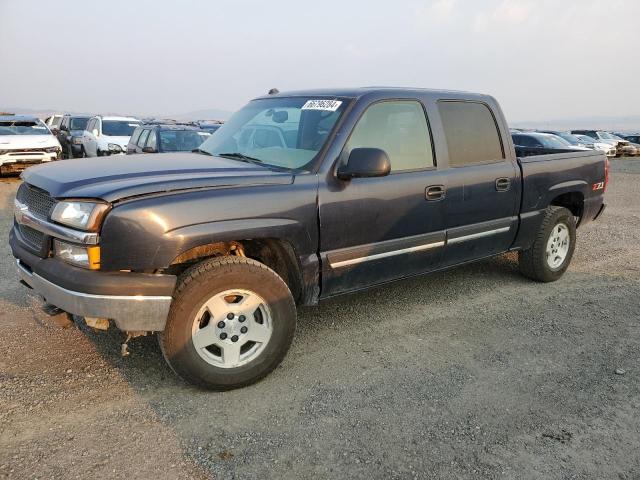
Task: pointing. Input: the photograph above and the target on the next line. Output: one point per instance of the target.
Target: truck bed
(546, 178)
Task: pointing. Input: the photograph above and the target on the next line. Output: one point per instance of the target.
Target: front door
(379, 229)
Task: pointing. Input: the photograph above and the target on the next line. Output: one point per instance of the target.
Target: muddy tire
(232, 321)
(550, 254)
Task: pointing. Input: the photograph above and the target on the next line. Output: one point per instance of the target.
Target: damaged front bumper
(98, 294)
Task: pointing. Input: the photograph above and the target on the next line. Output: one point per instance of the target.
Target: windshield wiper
(240, 156)
(199, 150)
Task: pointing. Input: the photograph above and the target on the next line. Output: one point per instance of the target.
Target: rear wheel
(231, 323)
(550, 255)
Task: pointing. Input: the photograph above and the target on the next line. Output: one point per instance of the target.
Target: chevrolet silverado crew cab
(299, 197)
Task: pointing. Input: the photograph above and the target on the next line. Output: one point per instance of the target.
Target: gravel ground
(471, 373)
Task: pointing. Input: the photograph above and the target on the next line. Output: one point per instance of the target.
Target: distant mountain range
(626, 123)
(623, 123)
(210, 114)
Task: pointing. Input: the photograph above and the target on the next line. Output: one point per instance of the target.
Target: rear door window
(471, 133)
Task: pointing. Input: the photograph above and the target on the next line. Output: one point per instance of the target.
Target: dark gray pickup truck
(299, 197)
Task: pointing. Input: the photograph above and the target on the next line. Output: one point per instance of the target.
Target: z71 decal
(598, 186)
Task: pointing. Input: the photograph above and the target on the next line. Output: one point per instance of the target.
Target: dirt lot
(471, 373)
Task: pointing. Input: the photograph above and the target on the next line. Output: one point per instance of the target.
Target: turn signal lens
(78, 255)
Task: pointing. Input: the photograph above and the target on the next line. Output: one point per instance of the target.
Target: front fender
(148, 233)
(186, 238)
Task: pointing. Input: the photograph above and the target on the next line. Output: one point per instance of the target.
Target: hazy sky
(540, 58)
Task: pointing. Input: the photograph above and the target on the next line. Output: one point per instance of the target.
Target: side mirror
(63, 128)
(365, 162)
(149, 150)
(95, 132)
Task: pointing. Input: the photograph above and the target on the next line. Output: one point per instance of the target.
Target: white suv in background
(107, 135)
(25, 141)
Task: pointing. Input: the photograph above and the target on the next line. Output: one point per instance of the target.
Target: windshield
(280, 132)
(23, 128)
(552, 141)
(211, 128)
(78, 123)
(118, 128)
(571, 139)
(181, 140)
(606, 136)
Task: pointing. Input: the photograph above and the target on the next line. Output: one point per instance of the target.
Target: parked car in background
(545, 142)
(215, 249)
(607, 148)
(105, 135)
(627, 148)
(604, 137)
(53, 122)
(70, 134)
(633, 139)
(630, 137)
(166, 137)
(25, 141)
(208, 125)
(566, 136)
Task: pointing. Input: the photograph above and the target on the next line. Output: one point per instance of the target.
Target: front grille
(38, 201)
(28, 150)
(33, 237)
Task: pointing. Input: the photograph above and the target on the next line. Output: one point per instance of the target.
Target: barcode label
(328, 105)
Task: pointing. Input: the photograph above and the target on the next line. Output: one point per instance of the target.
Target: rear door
(152, 141)
(142, 140)
(131, 146)
(483, 183)
(87, 138)
(378, 229)
(63, 133)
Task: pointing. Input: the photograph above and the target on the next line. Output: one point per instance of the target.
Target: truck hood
(121, 176)
(27, 141)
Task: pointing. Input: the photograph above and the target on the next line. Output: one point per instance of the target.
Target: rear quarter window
(471, 133)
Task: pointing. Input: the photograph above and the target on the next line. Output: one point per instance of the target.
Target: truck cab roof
(379, 92)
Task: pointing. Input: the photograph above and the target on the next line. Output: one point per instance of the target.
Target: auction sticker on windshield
(328, 105)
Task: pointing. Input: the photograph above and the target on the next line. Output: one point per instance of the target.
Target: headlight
(77, 140)
(81, 256)
(82, 215)
(114, 148)
(53, 150)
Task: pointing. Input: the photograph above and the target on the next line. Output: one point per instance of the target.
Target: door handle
(435, 192)
(503, 184)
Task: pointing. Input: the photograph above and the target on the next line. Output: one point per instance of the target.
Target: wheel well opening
(278, 255)
(572, 201)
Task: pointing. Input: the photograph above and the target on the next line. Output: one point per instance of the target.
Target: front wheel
(550, 254)
(231, 323)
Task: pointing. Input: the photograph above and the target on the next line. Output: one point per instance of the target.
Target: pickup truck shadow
(145, 369)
